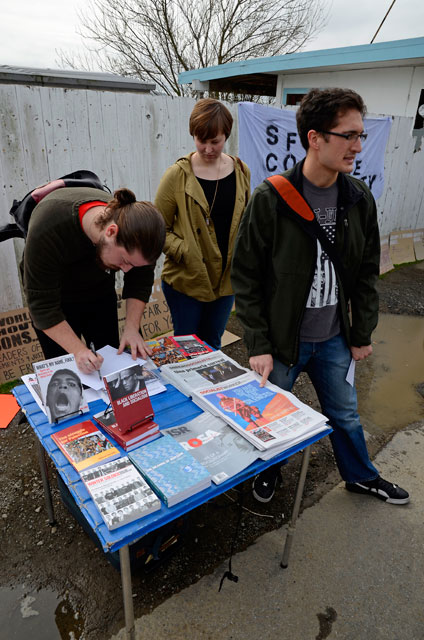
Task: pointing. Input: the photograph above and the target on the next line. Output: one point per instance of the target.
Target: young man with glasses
(302, 310)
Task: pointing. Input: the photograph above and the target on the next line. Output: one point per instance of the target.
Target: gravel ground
(63, 558)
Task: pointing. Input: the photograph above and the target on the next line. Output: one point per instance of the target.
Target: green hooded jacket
(274, 263)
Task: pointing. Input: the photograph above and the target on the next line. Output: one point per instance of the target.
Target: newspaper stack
(271, 419)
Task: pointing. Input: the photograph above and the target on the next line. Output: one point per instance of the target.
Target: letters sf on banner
(269, 144)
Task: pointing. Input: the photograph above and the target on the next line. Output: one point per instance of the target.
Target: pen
(92, 349)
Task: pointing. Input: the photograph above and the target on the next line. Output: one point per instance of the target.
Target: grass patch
(8, 386)
(397, 267)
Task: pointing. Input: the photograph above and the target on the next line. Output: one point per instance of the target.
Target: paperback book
(218, 447)
(171, 471)
(120, 492)
(61, 388)
(164, 351)
(129, 398)
(31, 383)
(146, 432)
(85, 446)
(191, 345)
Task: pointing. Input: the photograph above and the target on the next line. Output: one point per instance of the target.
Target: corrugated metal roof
(70, 79)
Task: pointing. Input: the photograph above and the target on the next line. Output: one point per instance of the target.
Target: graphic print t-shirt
(320, 321)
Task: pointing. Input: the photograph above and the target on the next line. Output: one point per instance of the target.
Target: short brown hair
(140, 225)
(209, 118)
(320, 110)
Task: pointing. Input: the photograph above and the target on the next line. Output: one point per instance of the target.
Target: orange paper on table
(8, 409)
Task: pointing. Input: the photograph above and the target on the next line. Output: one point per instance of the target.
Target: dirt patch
(65, 559)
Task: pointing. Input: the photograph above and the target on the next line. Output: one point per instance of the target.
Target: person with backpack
(304, 272)
(77, 239)
(202, 198)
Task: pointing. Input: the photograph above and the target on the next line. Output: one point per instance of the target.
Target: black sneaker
(264, 484)
(380, 489)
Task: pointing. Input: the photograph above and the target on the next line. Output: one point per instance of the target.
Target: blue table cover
(171, 409)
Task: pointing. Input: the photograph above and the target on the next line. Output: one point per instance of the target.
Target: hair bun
(124, 196)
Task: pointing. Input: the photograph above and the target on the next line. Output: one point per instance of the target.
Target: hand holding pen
(99, 359)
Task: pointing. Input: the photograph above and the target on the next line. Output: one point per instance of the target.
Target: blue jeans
(205, 319)
(327, 364)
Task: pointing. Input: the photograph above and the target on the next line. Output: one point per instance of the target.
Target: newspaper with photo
(203, 372)
(267, 416)
(270, 418)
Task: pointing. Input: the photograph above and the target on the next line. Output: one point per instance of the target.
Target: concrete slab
(356, 572)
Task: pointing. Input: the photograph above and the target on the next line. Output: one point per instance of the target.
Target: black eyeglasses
(350, 137)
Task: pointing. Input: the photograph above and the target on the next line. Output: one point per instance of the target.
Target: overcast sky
(33, 30)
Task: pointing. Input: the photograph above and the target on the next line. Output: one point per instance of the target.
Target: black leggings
(96, 321)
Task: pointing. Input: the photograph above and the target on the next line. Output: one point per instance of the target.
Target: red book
(129, 398)
(85, 446)
(140, 435)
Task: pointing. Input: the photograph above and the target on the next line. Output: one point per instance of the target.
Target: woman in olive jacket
(202, 198)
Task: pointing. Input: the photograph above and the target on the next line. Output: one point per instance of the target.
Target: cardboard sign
(419, 244)
(402, 247)
(386, 263)
(156, 318)
(19, 346)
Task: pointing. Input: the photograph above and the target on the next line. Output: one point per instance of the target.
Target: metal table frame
(37, 420)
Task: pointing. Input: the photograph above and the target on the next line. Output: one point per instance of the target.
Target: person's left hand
(133, 339)
(360, 353)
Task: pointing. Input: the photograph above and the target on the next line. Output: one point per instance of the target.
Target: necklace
(216, 190)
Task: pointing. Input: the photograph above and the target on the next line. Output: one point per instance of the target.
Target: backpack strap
(291, 196)
(21, 210)
(303, 213)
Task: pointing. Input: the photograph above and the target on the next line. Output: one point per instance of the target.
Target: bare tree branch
(155, 40)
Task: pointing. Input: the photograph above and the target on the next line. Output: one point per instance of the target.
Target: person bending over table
(202, 198)
(77, 239)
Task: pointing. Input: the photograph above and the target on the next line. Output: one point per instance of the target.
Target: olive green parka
(193, 264)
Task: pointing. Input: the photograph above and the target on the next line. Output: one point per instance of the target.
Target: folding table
(171, 409)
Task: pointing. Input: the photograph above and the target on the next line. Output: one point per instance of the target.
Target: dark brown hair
(320, 110)
(140, 225)
(209, 118)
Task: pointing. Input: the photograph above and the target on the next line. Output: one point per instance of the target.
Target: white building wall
(386, 90)
(129, 140)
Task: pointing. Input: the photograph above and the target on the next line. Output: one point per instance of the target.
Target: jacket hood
(185, 163)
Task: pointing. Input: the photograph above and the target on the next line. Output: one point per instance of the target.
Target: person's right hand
(87, 361)
(263, 365)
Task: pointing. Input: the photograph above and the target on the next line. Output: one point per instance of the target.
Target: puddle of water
(387, 395)
(37, 615)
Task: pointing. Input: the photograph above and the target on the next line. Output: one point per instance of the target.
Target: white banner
(269, 144)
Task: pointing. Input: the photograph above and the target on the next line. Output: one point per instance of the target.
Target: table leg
(124, 559)
(298, 499)
(46, 484)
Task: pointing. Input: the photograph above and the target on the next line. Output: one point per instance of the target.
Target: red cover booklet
(85, 446)
(129, 397)
(131, 439)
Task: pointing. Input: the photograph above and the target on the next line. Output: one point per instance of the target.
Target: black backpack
(21, 210)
